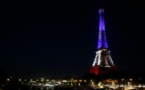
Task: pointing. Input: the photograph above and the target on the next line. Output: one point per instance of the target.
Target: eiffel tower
(103, 62)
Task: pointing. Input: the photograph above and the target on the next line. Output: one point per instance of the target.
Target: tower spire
(102, 42)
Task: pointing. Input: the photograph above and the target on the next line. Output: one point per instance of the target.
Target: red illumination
(101, 70)
(95, 70)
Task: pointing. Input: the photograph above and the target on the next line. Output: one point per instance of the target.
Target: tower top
(102, 42)
(101, 10)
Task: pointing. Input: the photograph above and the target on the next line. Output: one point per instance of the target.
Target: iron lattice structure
(103, 61)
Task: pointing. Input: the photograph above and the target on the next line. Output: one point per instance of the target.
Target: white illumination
(111, 60)
(99, 58)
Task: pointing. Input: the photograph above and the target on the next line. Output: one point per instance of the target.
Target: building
(103, 62)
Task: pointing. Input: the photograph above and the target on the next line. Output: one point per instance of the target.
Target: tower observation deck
(103, 62)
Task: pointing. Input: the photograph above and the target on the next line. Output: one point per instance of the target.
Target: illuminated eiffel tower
(103, 62)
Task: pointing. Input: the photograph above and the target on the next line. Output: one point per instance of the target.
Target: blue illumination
(102, 42)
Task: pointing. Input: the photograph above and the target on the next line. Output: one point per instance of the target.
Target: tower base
(97, 70)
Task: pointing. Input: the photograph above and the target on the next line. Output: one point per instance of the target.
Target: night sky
(59, 38)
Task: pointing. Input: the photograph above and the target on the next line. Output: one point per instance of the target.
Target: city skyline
(60, 38)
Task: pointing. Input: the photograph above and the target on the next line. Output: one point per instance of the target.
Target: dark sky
(59, 38)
